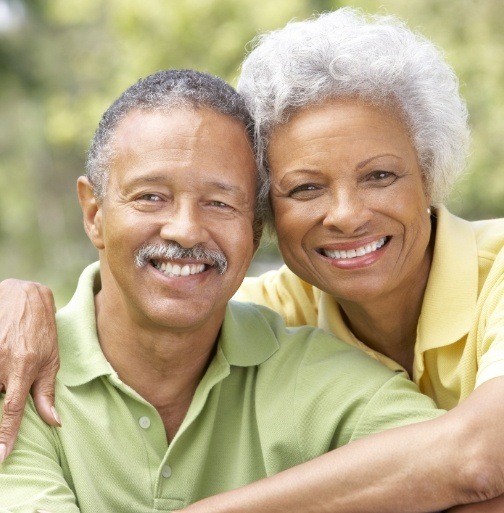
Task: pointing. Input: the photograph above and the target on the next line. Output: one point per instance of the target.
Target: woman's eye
(305, 190)
(382, 177)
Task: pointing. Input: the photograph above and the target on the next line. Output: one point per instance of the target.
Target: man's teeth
(179, 270)
(352, 253)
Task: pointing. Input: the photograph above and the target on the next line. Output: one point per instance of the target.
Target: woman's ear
(91, 211)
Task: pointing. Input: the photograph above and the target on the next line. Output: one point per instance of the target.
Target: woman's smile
(349, 200)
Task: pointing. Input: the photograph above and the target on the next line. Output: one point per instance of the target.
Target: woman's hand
(28, 355)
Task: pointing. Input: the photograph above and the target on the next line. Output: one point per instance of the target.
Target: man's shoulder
(303, 349)
(325, 390)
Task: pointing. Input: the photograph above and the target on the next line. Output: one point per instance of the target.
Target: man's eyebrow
(146, 179)
(130, 185)
(214, 184)
(226, 187)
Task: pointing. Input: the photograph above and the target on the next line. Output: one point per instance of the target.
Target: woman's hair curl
(375, 58)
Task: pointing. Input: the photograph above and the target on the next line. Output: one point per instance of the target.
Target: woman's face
(349, 201)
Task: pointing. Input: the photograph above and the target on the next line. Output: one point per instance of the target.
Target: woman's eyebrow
(367, 161)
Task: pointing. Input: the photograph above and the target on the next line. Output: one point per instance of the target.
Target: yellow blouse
(460, 333)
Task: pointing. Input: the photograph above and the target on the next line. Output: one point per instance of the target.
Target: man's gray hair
(161, 91)
(348, 54)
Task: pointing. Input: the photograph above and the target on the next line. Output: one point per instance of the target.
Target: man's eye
(150, 197)
(219, 204)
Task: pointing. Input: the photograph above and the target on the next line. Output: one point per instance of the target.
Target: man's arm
(455, 459)
(28, 355)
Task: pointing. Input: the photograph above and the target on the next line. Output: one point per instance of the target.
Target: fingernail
(3, 452)
(56, 416)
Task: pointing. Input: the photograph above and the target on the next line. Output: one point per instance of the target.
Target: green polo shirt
(272, 398)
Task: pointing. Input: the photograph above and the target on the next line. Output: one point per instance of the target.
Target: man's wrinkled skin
(19, 363)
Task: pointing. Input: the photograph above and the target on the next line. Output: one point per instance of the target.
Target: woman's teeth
(352, 253)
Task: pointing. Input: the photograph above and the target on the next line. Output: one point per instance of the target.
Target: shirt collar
(247, 337)
(451, 293)
(242, 341)
(82, 359)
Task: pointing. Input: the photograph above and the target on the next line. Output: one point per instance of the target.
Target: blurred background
(62, 62)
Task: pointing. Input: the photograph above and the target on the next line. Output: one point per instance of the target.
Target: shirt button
(144, 422)
(166, 471)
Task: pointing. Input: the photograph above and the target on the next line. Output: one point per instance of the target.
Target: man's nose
(185, 225)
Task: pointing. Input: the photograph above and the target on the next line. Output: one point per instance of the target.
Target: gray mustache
(173, 251)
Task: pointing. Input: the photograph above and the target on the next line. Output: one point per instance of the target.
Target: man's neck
(163, 366)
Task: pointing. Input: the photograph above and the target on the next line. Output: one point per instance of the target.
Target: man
(168, 392)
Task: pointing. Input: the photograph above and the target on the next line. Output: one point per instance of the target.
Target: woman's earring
(429, 210)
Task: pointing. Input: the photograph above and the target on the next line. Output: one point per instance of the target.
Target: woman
(361, 135)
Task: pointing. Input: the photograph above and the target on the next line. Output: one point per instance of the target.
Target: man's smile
(172, 269)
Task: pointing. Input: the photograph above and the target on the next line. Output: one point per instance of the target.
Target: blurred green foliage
(62, 62)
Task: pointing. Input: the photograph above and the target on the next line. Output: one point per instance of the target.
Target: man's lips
(178, 269)
(359, 251)
(172, 253)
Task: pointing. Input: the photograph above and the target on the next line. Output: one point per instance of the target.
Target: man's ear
(91, 211)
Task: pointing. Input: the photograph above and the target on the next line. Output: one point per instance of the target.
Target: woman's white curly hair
(376, 58)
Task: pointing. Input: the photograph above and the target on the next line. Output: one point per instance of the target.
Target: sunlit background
(62, 62)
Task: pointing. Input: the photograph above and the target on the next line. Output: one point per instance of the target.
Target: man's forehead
(177, 116)
(141, 127)
(181, 139)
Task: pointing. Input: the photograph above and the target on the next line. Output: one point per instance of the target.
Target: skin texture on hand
(28, 355)
(492, 506)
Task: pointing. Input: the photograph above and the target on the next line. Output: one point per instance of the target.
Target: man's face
(184, 178)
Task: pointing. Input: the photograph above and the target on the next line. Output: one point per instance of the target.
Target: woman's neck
(386, 328)
(388, 324)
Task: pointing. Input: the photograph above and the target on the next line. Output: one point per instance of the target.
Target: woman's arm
(492, 506)
(28, 355)
(455, 459)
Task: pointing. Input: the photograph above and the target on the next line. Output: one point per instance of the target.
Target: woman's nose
(346, 211)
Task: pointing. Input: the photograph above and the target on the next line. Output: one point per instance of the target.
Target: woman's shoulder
(281, 290)
(489, 234)
(489, 238)
(485, 237)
